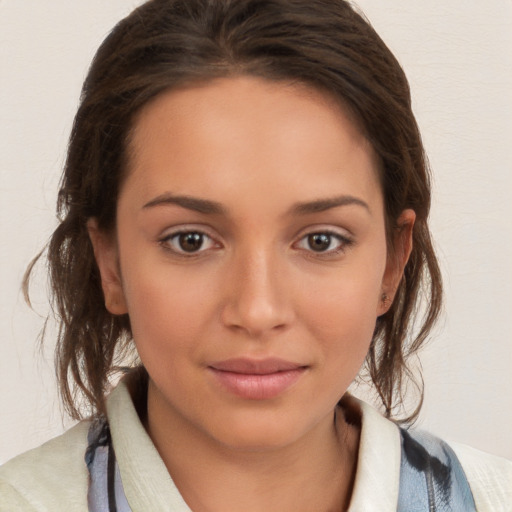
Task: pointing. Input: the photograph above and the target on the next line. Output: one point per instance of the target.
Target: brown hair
(165, 44)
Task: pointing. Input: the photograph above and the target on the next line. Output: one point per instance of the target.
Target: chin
(251, 440)
(258, 430)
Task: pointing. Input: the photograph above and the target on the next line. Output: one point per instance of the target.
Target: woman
(247, 194)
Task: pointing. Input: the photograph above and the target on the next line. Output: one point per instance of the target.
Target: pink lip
(257, 379)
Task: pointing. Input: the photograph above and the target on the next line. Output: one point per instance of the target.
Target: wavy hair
(165, 44)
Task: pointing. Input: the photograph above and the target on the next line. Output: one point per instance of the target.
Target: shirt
(54, 477)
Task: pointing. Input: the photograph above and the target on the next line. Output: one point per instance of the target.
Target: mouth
(257, 379)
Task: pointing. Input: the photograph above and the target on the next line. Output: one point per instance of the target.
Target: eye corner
(325, 238)
(199, 242)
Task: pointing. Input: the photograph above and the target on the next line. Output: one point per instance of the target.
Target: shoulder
(390, 455)
(51, 477)
(476, 478)
(489, 477)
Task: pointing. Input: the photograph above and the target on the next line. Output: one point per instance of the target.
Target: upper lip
(255, 366)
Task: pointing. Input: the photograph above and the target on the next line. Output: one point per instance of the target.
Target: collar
(148, 485)
(146, 481)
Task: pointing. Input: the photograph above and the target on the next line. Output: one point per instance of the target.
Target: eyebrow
(207, 206)
(188, 202)
(321, 205)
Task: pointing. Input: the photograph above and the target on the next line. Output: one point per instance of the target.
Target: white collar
(148, 485)
(378, 462)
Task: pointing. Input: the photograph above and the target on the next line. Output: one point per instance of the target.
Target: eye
(188, 242)
(324, 242)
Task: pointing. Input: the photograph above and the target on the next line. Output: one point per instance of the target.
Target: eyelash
(344, 242)
(166, 242)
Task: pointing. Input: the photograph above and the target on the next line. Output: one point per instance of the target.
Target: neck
(315, 472)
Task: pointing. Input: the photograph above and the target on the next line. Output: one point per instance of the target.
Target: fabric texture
(106, 490)
(431, 477)
(54, 477)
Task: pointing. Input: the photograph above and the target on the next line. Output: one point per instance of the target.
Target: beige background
(458, 56)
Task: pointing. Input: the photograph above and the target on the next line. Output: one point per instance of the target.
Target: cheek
(347, 314)
(341, 310)
(168, 308)
(343, 327)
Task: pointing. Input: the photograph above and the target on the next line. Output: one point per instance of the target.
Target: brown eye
(187, 242)
(190, 242)
(319, 242)
(324, 243)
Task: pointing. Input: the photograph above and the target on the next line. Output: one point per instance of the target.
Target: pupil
(319, 242)
(191, 242)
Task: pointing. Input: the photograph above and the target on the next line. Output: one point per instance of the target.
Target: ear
(107, 259)
(398, 255)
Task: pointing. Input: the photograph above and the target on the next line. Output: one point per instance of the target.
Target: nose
(258, 299)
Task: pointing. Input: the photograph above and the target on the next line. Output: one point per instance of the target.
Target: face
(251, 258)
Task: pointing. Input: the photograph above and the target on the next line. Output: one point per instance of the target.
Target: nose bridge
(258, 301)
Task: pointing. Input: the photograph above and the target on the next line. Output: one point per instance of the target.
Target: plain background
(458, 57)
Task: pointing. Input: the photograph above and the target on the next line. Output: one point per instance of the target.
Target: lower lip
(258, 387)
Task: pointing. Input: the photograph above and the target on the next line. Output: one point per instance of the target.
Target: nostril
(256, 317)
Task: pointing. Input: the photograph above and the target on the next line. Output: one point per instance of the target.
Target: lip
(257, 379)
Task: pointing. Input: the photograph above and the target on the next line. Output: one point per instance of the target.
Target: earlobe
(398, 256)
(107, 259)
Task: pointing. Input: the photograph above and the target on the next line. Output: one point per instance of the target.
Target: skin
(254, 288)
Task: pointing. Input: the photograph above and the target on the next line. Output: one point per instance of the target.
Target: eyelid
(327, 229)
(345, 239)
(169, 234)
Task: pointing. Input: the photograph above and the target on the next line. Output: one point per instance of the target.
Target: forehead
(233, 131)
